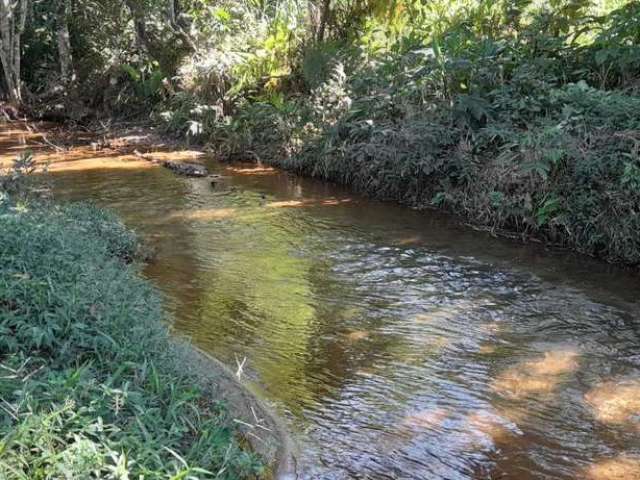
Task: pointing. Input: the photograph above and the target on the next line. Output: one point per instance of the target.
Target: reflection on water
(617, 402)
(399, 345)
(538, 376)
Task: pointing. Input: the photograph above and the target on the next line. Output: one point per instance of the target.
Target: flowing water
(398, 344)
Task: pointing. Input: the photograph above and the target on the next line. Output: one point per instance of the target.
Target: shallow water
(399, 344)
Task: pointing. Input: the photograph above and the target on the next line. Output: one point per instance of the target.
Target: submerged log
(186, 169)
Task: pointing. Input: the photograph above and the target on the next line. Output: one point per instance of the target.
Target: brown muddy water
(398, 344)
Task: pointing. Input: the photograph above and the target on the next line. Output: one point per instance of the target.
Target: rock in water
(215, 179)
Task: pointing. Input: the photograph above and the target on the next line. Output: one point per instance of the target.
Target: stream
(397, 344)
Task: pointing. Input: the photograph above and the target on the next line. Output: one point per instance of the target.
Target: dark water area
(397, 343)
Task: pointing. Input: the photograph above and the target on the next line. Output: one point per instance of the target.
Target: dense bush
(90, 385)
(568, 174)
(522, 119)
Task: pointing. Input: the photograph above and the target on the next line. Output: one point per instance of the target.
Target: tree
(177, 26)
(324, 19)
(64, 42)
(157, 34)
(13, 17)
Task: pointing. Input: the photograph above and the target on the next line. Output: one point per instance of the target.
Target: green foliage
(614, 55)
(91, 386)
(268, 63)
(147, 84)
(18, 185)
(524, 152)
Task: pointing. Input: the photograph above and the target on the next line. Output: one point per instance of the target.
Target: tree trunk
(313, 13)
(140, 27)
(74, 108)
(64, 43)
(146, 40)
(177, 27)
(324, 19)
(13, 17)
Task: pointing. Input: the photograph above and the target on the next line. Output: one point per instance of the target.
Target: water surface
(398, 344)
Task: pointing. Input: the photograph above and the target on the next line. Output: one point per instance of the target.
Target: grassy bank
(90, 385)
(529, 159)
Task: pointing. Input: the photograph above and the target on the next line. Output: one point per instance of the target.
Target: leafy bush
(531, 156)
(17, 184)
(91, 386)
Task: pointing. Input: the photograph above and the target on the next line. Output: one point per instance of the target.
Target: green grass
(90, 384)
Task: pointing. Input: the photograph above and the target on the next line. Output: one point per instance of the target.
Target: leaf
(547, 211)
(134, 74)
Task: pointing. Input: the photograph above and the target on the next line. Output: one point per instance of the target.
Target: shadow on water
(399, 344)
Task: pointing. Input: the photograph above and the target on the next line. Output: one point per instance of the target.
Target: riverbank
(584, 201)
(93, 384)
(531, 160)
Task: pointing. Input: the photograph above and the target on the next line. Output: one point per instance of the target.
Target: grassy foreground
(90, 385)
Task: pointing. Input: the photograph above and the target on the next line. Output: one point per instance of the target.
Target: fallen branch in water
(188, 169)
(148, 158)
(33, 128)
(51, 144)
